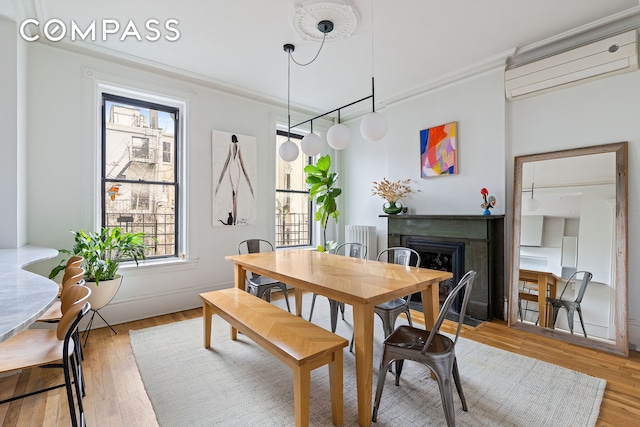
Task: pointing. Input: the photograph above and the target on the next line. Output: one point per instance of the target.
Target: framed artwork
(438, 150)
(234, 177)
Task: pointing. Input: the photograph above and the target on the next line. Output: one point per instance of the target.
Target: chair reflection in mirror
(571, 306)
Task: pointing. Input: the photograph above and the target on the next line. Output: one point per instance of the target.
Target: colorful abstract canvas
(438, 151)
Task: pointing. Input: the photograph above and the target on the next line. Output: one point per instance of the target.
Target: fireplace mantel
(483, 237)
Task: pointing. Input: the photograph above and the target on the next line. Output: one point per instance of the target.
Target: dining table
(360, 283)
(547, 285)
(24, 296)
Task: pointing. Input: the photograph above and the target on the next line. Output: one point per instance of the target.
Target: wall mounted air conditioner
(613, 55)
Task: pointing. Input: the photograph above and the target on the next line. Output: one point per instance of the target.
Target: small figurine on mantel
(489, 201)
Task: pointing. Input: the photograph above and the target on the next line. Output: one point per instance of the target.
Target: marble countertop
(24, 296)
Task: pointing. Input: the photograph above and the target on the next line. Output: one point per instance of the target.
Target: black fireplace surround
(471, 242)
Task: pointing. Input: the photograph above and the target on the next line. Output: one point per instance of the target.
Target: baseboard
(122, 311)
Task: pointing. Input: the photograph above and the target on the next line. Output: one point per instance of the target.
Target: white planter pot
(103, 292)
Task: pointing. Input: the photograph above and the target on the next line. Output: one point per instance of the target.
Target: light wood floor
(116, 395)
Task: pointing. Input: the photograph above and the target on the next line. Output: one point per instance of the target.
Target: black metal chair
(261, 286)
(570, 306)
(432, 349)
(354, 250)
(390, 310)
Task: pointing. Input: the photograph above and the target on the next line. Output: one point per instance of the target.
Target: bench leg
(301, 394)
(336, 387)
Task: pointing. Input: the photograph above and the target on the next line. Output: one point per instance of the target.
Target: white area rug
(239, 384)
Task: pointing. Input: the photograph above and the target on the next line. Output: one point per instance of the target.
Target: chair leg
(286, 296)
(570, 315)
(520, 310)
(554, 311)
(443, 372)
(69, 388)
(408, 317)
(353, 335)
(313, 304)
(456, 378)
(399, 365)
(384, 364)
(333, 306)
(584, 331)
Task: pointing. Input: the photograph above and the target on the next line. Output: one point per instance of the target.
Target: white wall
(600, 112)
(12, 123)
(62, 173)
(477, 105)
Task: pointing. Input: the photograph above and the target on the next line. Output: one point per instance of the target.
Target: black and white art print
(234, 173)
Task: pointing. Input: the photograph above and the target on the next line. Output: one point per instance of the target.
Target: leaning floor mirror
(569, 253)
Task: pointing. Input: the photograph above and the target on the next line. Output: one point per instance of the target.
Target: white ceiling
(239, 44)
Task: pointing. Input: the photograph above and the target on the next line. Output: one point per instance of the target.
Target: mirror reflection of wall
(568, 225)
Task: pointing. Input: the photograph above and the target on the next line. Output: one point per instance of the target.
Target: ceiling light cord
(324, 37)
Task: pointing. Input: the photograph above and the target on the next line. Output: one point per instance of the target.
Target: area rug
(237, 383)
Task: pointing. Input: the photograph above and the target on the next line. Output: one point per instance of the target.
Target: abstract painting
(234, 178)
(438, 150)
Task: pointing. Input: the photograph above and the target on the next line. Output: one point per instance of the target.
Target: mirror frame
(621, 344)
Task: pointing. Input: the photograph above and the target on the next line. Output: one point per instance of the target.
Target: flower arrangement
(489, 201)
(392, 191)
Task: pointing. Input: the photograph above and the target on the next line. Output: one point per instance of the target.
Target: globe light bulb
(288, 151)
(311, 144)
(338, 136)
(373, 127)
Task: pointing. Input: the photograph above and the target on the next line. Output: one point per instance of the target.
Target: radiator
(365, 234)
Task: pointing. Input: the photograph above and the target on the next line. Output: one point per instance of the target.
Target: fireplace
(459, 243)
(444, 256)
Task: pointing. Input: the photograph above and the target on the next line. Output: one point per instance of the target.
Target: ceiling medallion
(307, 17)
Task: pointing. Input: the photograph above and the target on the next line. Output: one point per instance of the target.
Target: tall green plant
(103, 252)
(321, 189)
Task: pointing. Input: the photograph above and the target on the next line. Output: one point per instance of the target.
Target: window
(293, 221)
(139, 174)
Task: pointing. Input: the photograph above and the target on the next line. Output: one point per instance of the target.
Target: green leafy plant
(103, 252)
(321, 189)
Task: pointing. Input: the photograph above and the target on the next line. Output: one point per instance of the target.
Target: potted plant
(392, 192)
(321, 188)
(103, 252)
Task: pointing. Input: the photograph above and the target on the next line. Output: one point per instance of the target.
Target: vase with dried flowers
(489, 201)
(392, 192)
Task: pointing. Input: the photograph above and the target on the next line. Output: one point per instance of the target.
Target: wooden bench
(300, 344)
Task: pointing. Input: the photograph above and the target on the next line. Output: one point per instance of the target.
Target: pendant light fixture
(373, 126)
(288, 150)
(531, 204)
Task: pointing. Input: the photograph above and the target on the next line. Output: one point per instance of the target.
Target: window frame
(310, 219)
(107, 95)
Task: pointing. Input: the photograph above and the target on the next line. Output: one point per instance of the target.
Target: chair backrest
(400, 255)
(586, 278)
(465, 283)
(75, 311)
(72, 276)
(353, 249)
(70, 295)
(252, 246)
(74, 261)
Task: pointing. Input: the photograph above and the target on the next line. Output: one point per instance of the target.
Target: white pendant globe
(311, 144)
(531, 204)
(338, 136)
(373, 127)
(288, 151)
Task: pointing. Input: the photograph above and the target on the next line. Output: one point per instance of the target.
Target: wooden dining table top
(339, 277)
